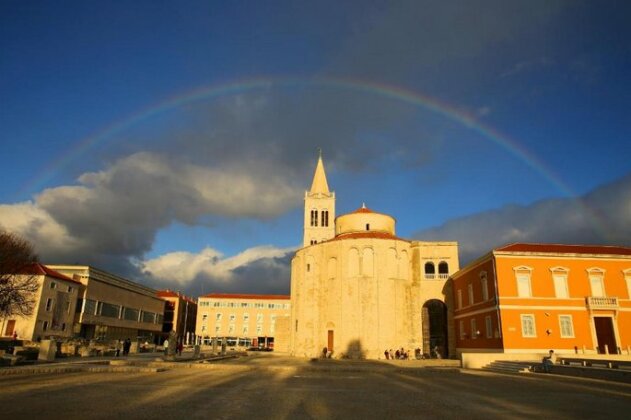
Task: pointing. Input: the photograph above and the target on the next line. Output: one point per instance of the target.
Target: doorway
(605, 335)
(329, 345)
(10, 328)
(434, 324)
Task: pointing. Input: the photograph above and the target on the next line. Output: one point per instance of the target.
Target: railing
(598, 302)
(432, 276)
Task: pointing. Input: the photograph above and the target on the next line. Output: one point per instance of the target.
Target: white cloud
(184, 267)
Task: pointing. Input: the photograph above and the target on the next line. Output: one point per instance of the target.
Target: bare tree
(18, 278)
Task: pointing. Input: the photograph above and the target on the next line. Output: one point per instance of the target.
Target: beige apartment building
(243, 319)
(111, 307)
(54, 310)
(357, 289)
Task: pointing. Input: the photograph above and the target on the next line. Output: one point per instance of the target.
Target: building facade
(180, 314)
(357, 289)
(243, 319)
(530, 298)
(113, 308)
(53, 313)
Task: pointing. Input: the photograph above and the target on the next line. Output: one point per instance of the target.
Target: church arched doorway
(434, 321)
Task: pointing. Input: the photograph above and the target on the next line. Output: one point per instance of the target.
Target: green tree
(18, 279)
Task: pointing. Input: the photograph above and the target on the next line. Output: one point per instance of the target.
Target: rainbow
(415, 99)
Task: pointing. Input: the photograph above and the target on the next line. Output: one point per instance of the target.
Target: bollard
(606, 349)
(628, 349)
(575, 349)
(583, 348)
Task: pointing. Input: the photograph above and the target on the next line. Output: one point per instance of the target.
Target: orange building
(529, 298)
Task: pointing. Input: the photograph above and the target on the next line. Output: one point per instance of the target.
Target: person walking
(166, 346)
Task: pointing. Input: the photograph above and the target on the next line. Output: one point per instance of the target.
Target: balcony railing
(594, 302)
(432, 276)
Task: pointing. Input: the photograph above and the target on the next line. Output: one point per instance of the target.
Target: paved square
(284, 388)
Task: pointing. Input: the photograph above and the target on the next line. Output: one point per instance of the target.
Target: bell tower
(319, 224)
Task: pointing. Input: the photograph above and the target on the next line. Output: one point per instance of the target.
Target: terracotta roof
(566, 249)
(363, 210)
(243, 296)
(367, 235)
(39, 269)
(171, 293)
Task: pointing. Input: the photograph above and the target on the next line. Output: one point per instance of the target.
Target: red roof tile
(367, 235)
(363, 210)
(566, 249)
(243, 296)
(172, 294)
(39, 269)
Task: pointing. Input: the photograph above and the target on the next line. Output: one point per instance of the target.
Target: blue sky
(206, 192)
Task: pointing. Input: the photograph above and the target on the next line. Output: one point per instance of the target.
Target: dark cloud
(602, 216)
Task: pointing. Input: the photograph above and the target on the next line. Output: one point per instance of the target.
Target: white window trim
(474, 328)
(529, 276)
(484, 285)
(566, 284)
(470, 296)
(488, 326)
(534, 325)
(561, 326)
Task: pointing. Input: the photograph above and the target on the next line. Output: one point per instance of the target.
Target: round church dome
(364, 220)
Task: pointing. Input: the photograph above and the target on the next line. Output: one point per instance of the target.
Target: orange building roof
(565, 249)
(243, 296)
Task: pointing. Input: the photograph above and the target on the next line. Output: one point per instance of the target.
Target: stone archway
(434, 321)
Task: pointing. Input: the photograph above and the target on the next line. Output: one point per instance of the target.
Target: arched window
(443, 270)
(368, 262)
(403, 265)
(353, 262)
(325, 218)
(430, 270)
(314, 218)
(392, 263)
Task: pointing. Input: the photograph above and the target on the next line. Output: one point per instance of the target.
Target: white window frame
(488, 326)
(470, 294)
(596, 274)
(474, 328)
(571, 324)
(49, 304)
(627, 277)
(524, 284)
(560, 285)
(218, 317)
(484, 285)
(524, 334)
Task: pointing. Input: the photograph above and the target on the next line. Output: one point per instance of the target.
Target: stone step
(507, 366)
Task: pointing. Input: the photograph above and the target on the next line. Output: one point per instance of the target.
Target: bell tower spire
(319, 222)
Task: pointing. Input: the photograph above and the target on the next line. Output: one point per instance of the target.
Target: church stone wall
(362, 291)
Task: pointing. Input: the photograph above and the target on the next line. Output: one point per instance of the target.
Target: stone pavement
(270, 386)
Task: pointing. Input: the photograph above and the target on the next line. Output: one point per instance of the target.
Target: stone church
(358, 289)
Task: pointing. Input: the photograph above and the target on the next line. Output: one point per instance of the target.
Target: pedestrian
(397, 355)
(166, 346)
(126, 346)
(180, 347)
(118, 348)
(387, 354)
(547, 362)
(324, 352)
